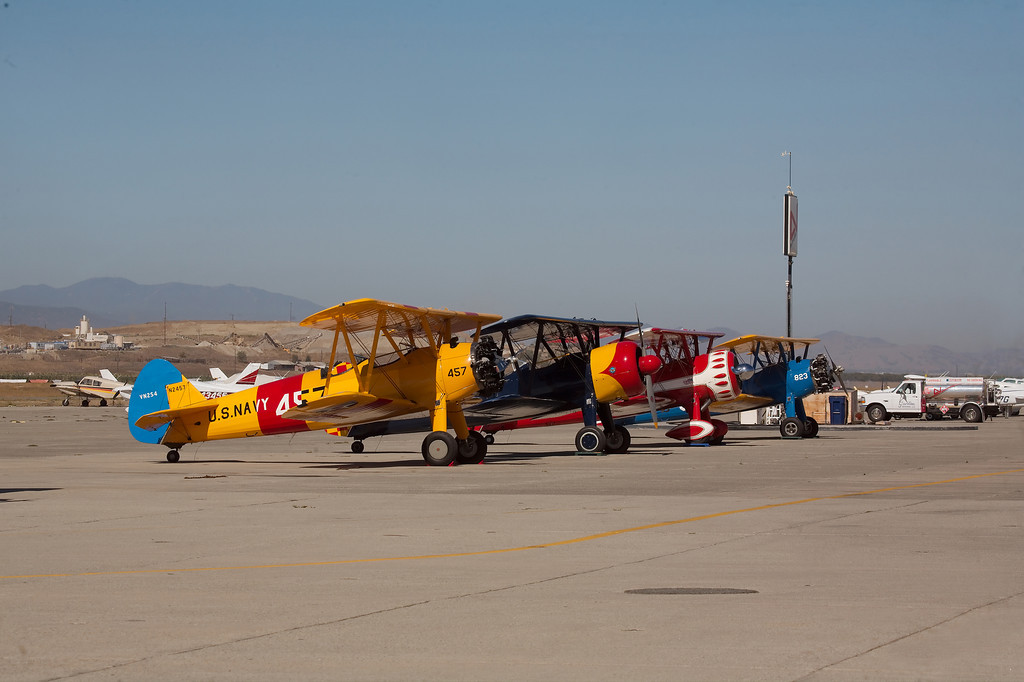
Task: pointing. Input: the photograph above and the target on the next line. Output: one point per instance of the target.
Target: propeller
(837, 370)
(648, 379)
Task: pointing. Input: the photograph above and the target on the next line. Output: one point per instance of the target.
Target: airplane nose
(649, 364)
(743, 370)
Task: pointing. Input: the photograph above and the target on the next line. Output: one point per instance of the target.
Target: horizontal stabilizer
(183, 399)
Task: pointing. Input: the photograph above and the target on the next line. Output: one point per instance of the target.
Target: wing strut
(334, 352)
(352, 356)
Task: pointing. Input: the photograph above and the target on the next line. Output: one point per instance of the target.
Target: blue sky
(563, 158)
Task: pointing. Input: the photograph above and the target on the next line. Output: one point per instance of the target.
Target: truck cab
(906, 400)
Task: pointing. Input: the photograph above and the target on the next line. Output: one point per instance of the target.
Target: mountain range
(114, 302)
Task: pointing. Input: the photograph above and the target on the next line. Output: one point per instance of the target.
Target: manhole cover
(691, 590)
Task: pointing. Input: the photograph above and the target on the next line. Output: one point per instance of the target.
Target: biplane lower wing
(504, 408)
(348, 409)
(740, 403)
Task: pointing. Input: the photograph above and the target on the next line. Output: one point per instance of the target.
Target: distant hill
(874, 355)
(112, 301)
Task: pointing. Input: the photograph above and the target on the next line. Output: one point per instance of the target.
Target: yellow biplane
(403, 359)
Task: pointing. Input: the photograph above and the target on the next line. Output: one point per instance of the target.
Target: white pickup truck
(967, 398)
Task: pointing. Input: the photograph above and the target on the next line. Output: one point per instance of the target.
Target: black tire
(66, 402)
(489, 439)
(473, 449)
(810, 428)
(590, 440)
(791, 427)
(173, 456)
(358, 446)
(439, 448)
(875, 413)
(103, 402)
(617, 440)
(972, 414)
(85, 403)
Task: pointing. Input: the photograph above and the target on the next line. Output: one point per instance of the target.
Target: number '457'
(456, 371)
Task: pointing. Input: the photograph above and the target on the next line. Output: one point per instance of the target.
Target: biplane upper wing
(751, 343)
(526, 327)
(401, 324)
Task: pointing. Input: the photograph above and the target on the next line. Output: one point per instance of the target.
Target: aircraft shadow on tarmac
(410, 460)
(4, 492)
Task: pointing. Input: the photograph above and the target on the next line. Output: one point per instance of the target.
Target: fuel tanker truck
(967, 398)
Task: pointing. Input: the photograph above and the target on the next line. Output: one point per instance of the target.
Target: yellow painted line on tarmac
(558, 543)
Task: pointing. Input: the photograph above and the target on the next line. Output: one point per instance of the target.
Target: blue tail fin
(150, 395)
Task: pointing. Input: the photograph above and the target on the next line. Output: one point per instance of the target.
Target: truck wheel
(971, 413)
(875, 412)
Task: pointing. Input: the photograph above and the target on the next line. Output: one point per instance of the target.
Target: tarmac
(860, 554)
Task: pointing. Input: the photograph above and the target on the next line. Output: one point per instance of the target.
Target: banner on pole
(789, 240)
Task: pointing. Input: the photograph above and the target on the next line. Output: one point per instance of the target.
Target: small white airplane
(223, 385)
(105, 387)
(1011, 394)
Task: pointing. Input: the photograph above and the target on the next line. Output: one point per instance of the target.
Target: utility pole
(789, 241)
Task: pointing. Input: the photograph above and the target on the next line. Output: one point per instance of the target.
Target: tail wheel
(472, 450)
(173, 456)
(439, 448)
(590, 440)
(810, 428)
(721, 428)
(791, 427)
(489, 439)
(617, 440)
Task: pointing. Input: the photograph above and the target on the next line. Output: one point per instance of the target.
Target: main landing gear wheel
(810, 428)
(173, 456)
(473, 449)
(590, 440)
(791, 427)
(439, 448)
(617, 440)
(357, 446)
